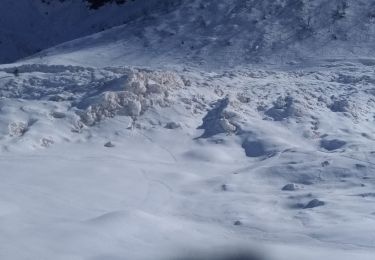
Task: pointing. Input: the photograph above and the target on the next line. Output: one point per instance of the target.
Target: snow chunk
(110, 104)
(282, 109)
(142, 89)
(227, 126)
(136, 83)
(145, 82)
(218, 120)
(46, 142)
(17, 129)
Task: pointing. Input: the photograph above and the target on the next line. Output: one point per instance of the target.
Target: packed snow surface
(191, 134)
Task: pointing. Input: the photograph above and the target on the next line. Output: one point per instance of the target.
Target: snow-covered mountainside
(29, 26)
(194, 133)
(232, 32)
(229, 31)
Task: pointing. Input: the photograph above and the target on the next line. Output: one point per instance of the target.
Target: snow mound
(17, 128)
(142, 90)
(110, 104)
(218, 120)
(283, 108)
(75, 97)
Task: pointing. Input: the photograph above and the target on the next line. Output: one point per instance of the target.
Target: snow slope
(118, 162)
(29, 26)
(231, 32)
(193, 153)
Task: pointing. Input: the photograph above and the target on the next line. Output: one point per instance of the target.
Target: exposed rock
(314, 203)
(325, 163)
(291, 187)
(109, 144)
(172, 125)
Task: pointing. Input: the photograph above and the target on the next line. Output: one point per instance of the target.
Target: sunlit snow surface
(132, 163)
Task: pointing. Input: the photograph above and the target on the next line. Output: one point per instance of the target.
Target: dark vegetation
(94, 4)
